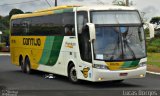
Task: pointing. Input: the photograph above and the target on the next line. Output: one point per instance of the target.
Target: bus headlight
(142, 64)
(98, 66)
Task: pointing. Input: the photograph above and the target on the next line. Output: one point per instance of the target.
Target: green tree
(4, 27)
(15, 11)
(121, 2)
(155, 20)
(1, 17)
(4, 22)
(27, 12)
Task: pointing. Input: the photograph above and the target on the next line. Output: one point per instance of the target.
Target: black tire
(72, 74)
(21, 63)
(27, 68)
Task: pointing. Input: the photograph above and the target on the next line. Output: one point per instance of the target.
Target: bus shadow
(109, 84)
(100, 85)
(2, 87)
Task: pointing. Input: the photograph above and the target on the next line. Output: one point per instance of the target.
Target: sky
(150, 7)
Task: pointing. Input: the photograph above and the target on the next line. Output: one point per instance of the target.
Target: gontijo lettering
(32, 41)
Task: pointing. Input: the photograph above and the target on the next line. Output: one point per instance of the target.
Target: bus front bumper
(107, 75)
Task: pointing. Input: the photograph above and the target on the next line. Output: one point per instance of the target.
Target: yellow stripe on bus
(32, 15)
(114, 65)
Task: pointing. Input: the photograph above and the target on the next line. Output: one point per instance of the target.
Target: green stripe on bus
(46, 51)
(63, 10)
(130, 64)
(55, 50)
(51, 50)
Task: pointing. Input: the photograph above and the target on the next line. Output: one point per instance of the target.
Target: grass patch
(153, 45)
(154, 59)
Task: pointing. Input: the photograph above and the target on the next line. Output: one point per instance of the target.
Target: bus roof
(105, 7)
(56, 8)
(52, 10)
(42, 12)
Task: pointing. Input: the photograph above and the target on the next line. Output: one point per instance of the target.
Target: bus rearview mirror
(151, 30)
(92, 31)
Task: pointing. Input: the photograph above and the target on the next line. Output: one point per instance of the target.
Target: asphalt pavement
(16, 83)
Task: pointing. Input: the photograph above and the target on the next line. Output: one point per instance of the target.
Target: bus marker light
(100, 79)
(142, 75)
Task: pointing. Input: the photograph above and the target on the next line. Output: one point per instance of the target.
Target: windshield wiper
(122, 39)
(130, 49)
(127, 45)
(117, 47)
(139, 34)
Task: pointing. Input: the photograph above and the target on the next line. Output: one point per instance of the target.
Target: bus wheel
(27, 67)
(21, 64)
(73, 74)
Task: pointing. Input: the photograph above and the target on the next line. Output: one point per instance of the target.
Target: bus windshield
(120, 38)
(115, 17)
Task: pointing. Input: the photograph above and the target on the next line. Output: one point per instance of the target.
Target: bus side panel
(51, 59)
(68, 53)
(27, 46)
(53, 45)
(16, 49)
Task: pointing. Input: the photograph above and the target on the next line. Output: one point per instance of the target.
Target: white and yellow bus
(94, 43)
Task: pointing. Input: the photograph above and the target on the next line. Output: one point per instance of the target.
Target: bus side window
(69, 23)
(25, 25)
(80, 23)
(83, 37)
(68, 30)
(82, 20)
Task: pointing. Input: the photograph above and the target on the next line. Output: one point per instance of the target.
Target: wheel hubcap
(73, 74)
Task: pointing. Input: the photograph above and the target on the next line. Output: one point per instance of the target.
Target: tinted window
(57, 24)
(69, 24)
(47, 25)
(17, 28)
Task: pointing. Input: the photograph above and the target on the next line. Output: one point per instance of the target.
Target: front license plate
(123, 74)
